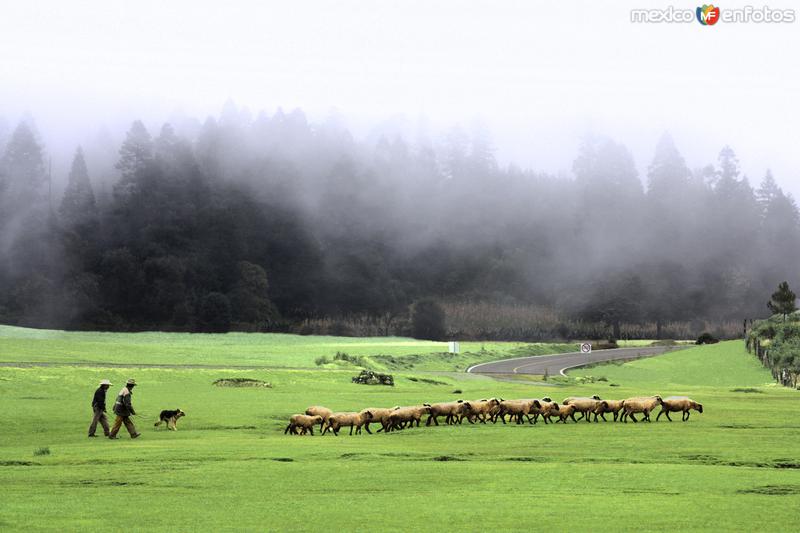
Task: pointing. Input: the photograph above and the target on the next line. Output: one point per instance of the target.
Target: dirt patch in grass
(748, 390)
(242, 382)
(426, 380)
(772, 490)
(19, 463)
(104, 483)
(283, 459)
(447, 458)
(520, 459)
(218, 428)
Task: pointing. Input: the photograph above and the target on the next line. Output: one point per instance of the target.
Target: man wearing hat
(99, 408)
(123, 408)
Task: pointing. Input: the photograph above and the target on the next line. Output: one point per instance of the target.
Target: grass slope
(255, 349)
(229, 467)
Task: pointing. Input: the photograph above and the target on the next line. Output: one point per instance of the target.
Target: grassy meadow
(736, 467)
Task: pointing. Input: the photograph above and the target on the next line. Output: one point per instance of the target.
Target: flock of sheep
(492, 409)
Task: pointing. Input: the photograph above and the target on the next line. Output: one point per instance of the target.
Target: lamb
(318, 410)
(354, 420)
(584, 406)
(378, 415)
(673, 404)
(398, 418)
(608, 406)
(481, 410)
(642, 405)
(304, 422)
(447, 409)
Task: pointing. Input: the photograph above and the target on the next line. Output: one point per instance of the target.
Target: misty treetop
(256, 223)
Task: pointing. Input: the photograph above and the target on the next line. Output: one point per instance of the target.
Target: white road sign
(586, 347)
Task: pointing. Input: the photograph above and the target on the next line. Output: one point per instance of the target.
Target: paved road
(558, 363)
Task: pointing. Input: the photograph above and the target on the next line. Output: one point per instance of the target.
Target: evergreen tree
(24, 174)
(782, 301)
(136, 152)
(78, 203)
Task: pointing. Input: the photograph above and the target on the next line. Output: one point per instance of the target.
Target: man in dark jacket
(123, 408)
(99, 408)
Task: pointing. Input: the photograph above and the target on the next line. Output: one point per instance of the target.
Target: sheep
(481, 409)
(318, 410)
(673, 404)
(608, 406)
(547, 408)
(563, 412)
(447, 409)
(304, 422)
(398, 418)
(537, 407)
(642, 405)
(378, 415)
(354, 420)
(516, 409)
(584, 406)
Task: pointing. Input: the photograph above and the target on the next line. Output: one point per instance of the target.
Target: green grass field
(735, 467)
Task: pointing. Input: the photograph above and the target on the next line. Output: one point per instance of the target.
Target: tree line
(260, 223)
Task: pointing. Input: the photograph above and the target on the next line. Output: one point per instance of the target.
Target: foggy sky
(538, 75)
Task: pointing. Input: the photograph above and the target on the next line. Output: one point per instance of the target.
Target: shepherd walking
(123, 408)
(99, 409)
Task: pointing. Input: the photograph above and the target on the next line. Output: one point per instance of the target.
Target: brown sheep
(340, 420)
(318, 410)
(480, 410)
(608, 406)
(517, 409)
(584, 406)
(304, 422)
(547, 410)
(563, 412)
(673, 404)
(642, 404)
(450, 410)
(400, 418)
(378, 416)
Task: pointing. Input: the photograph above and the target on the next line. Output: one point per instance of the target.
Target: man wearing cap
(99, 408)
(123, 408)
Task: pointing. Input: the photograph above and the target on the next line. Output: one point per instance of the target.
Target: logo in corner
(707, 15)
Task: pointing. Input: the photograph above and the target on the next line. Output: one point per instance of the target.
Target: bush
(706, 338)
(319, 361)
(44, 450)
(427, 321)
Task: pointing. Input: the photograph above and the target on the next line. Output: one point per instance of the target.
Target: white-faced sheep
(644, 405)
(378, 416)
(337, 421)
(400, 418)
(673, 404)
(304, 423)
(584, 406)
(318, 410)
(450, 410)
(608, 406)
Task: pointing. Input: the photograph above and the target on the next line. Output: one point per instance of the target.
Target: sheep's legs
(631, 416)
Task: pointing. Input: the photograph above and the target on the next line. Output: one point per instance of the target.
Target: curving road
(558, 363)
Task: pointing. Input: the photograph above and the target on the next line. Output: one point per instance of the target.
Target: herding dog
(171, 418)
